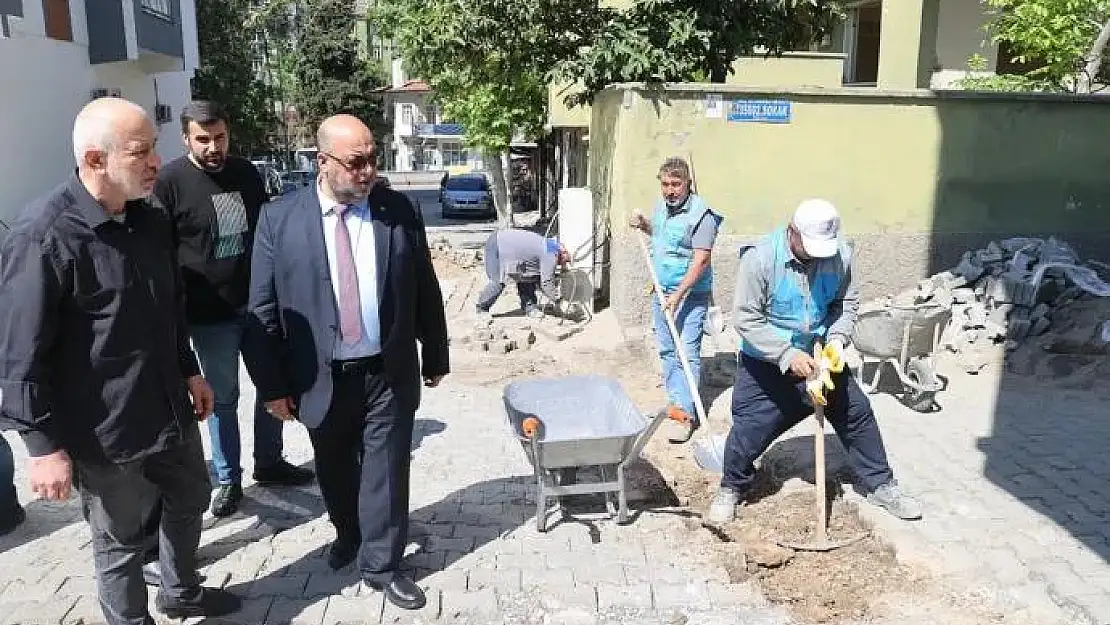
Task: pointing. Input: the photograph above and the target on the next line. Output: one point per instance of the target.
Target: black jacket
(93, 350)
(293, 316)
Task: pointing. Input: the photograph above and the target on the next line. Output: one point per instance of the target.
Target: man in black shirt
(97, 374)
(214, 200)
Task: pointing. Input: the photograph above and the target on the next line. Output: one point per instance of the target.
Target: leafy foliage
(1054, 36)
(658, 41)
(330, 77)
(226, 74)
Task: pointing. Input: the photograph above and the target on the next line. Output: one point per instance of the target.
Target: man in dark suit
(342, 288)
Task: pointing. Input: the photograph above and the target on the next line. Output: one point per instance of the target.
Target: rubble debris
(463, 257)
(1005, 293)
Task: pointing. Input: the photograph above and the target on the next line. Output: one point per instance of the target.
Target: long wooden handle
(676, 338)
(819, 471)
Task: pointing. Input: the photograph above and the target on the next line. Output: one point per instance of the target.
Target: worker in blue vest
(683, 229)
(794, 289)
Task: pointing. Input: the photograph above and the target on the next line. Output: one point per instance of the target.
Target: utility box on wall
(575, 219)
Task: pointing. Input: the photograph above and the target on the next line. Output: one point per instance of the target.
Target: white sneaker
(723, 507)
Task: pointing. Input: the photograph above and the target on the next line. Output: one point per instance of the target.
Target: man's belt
(368, 364)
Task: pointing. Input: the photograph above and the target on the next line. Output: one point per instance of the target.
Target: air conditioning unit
(106, 93)
(163, 114)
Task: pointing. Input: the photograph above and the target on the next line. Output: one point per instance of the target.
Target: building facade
(57, 55)
(421, 139)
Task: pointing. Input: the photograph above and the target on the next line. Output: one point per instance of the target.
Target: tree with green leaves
(660, 41)
(226, 74)
(1062, 40)
(489, 63)
(329, 75)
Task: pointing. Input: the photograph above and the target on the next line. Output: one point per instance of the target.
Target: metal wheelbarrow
(904, 337)
(569, 423)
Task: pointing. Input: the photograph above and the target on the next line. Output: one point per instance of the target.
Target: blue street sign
(766, 111)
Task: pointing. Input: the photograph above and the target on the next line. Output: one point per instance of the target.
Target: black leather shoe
(227, 499)
(9, 522)
(402, 592)
(282, 473)
(341, 553)
(211, 602)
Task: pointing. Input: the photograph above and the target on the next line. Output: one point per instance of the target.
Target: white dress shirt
(361, 228)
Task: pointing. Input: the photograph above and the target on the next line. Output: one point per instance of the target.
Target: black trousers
(119, 503)
(766, 403)
(363, 456)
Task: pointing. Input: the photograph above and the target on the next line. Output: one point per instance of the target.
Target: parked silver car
(467, 195)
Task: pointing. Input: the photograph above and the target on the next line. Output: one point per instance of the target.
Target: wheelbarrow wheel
(919, 400)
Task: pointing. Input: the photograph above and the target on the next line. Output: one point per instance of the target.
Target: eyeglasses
(355, 163)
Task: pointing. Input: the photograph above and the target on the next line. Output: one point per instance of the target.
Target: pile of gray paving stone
(501, 338)
(1002, 294)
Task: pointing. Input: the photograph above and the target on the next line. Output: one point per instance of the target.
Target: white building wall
(53, 81)
(46, 82)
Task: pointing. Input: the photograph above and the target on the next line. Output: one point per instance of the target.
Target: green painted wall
(892, 162)
(919, 177)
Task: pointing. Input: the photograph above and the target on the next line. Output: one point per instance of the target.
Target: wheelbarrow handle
(530, 426)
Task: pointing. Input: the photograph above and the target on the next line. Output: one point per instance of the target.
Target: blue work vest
(671, 245)
(796, 310)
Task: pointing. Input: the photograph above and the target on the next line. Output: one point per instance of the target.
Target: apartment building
(57, 55)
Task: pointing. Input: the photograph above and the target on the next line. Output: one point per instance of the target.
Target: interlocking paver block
(291, 586)
(638, 596)
(691, 594)
(547, 578)
(328, 584)
(503, 580)
(478, 602)
(87, 611)
(359, 610)
(285, 611)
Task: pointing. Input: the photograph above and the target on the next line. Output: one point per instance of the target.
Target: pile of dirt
(816, 586)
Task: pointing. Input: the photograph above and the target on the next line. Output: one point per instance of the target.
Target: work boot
(901, 505)
(681, 426)
(722, 509)
(227, 499)
(281, 473)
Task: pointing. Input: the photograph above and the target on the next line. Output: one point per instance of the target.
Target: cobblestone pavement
(473, 547)
(1015, 484)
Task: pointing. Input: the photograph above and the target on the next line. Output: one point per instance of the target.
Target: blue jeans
(9, 502)
(689, 318)
(218, 346)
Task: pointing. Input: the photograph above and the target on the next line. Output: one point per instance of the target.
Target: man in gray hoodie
(529, 260)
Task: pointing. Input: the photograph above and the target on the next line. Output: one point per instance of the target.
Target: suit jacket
(293, 316)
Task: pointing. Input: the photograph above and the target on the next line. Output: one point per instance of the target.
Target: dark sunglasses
(355, 163)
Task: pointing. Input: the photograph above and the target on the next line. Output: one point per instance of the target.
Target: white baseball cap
(818, 223)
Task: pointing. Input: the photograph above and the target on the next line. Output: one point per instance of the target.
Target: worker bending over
(793, 289)
(683, 229)
(529, 260)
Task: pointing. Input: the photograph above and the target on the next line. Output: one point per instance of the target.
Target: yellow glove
(834, 355)
(822, 380)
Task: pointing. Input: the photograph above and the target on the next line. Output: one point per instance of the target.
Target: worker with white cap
(794, 290)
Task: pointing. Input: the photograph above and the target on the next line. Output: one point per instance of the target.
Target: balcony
(144, 31)
(437, 131)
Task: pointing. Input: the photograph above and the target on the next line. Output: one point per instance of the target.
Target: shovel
(821, 541)
(707, 453)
